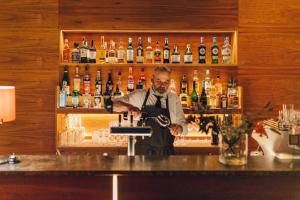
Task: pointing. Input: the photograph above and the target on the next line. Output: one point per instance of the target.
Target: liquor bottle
(62, 99)
(233, 101)
(224, 100)
(75, 99)
(172, 87)
(77, 80)
(196, 81)
(194, 97)
(149, 52)
(121, 52)
(107, 99)
(207, 81)
(212, 100)
(219, 91)
(97, 99)
(76, 53)
(130, 51)
(166, 55)
(226, 51)
(112, 53)
(184, 91)
(175, 55)
(119, 83)
(102, 51)
(66, 52)
(86, 81)
(117, 92)
(65, 81)
(109, 83)
(214, 51)
(130, 81)
(83, 52)
(142, 81)
(157, 53)
(202, 51)
(98, 82)
(203, 98)
(93, 53)
(106, 53)
(139, 52)
(188, 56)
(87, 51)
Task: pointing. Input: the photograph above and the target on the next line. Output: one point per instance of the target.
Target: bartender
(151, 103)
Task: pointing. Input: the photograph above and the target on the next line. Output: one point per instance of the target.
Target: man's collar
(153, 91)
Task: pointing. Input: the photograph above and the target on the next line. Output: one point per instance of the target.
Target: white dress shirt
(176, 113)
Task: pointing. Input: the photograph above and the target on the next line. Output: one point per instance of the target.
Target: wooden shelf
(70, 110)
(119, 65)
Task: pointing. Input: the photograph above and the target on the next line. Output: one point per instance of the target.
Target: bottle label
(202, 51)
(83, 53)
(75, 101)
(139, 52)
(87, 87)
(130, 85)
(149, 55)
(102, 54)
(121, 54)
(166, 54)
(75, 57)
(176, 58)
(92, 55)
(157, 56)
(215, 51)
(188, 58)
(139, 59)
(77, 84)
(130, 55)
(99, 88)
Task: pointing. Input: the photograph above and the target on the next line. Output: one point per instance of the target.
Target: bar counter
(173, 177)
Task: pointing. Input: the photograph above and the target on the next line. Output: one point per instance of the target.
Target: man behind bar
(153, 102)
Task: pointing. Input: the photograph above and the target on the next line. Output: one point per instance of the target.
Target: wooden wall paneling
(156, 14)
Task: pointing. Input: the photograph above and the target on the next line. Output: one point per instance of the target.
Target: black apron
(161, 141)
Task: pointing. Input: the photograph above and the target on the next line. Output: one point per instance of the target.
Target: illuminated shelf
(70, 110)
(118, 65)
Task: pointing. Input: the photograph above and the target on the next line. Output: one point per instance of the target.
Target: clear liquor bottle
(102, 51)
(202, 51)
(92, 53)
(112, 53)
(214, 51)
(188, 56)
(66, 52)
(121, 52)
(140, 52)
(130, 51)
(226, 51)
(166, 54)
(175, 55)
(157, 53)
(149, 52)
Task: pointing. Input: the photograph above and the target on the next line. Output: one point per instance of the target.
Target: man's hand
(175, 129)
(135, 111)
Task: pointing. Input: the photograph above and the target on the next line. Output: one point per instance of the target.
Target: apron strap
(146, 98)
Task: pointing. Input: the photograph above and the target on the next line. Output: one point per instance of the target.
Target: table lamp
(7, 104)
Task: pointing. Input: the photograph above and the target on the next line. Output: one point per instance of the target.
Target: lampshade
(7, 103)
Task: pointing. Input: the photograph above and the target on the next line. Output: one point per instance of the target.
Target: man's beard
(161, 90)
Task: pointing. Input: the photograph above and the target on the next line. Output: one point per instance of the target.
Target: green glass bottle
(194, 97)
(214, 51)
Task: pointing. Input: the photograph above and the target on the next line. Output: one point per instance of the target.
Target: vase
(233, 149)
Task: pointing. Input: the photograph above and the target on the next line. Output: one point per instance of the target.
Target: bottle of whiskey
(226, 51)
(65, 81)
(202, 51)
(121, 52)
(77, 80)
(76, 53)
(130, 81)
(157, 53)
(98, 82)
(83, 52)
(142, 81)
(175, 55)
(87, 51)
(184, 91)
(196, 81)
(166, 51)
(130, 51)
(102, 51)
(139, 52)
(194, 98)
(188, 56)
(87, 81)
(93, 53)
(214, 51)
(109, 83)
(66, 52)
(149, 52)
(112, 53)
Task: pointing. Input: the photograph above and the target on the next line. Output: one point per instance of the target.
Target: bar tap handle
(131, 119)
(120, 120)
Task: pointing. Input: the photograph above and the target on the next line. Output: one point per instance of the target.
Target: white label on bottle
(176, 58)
(75, 101)
(139, 59)
(166, 54)
(83, 53)
(149, 55)
(202, 51)
(130, 84)
(226, 51)
(121, 54)
(77, 84)
(215, 51)
(215, 57)
(130, 55)
(188, 58)
(88, 53)
(92, 55)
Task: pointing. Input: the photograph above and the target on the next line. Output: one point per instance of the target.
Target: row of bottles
(213, 95)
(86, 54)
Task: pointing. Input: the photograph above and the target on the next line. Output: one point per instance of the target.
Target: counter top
(141, 165)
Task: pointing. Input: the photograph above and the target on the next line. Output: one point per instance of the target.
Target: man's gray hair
(162, 69)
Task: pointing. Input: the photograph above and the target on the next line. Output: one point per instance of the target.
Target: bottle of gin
(75, 99)
(92, 53)
(202, 51)
(166, 54)
(157, 53)
(139, 52)
(214, 51)
(130, 51)
(76, 53)
(62, 99)
(121, 52)
(66, 52)
(188, 56)
(226, 51)
(175, 55)
(149, 52)
(102, 51)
